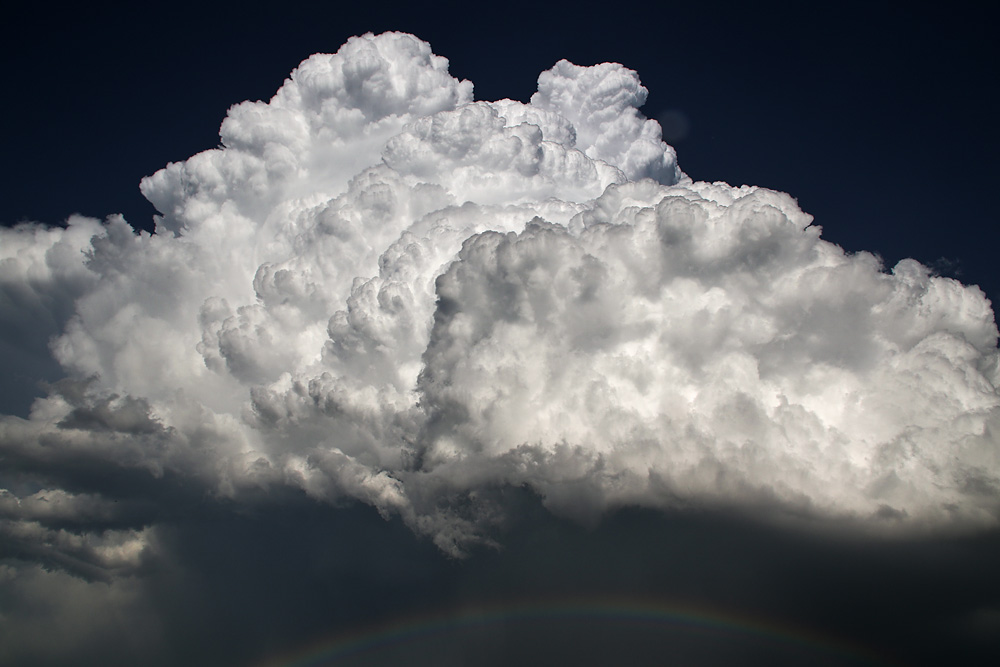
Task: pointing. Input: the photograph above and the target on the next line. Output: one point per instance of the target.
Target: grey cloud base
(283, 583)
(380, 290)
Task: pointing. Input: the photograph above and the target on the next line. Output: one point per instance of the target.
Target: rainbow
(622, 610)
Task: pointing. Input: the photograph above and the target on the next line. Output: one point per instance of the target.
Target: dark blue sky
(879, 118)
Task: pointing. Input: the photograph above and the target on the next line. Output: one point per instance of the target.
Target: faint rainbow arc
(412, 627)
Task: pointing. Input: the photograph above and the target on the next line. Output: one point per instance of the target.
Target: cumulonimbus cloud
(379, 289)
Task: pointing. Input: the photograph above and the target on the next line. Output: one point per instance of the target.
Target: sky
(584, 334)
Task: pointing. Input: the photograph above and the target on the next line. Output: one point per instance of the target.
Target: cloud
(379, 290)
(703, 342)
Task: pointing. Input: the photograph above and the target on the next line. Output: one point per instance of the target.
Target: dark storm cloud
(259, 587)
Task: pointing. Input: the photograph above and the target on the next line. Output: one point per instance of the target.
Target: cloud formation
(379, 290)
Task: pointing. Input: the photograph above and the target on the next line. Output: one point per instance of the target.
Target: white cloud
(711, 346)
(378, 289)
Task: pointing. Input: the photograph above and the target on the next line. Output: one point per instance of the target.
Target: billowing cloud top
(378, 289)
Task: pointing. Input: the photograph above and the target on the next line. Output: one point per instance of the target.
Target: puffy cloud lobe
(380, 290)
(42, 273)
(601, 102)
(480, 153)
(326, 123)
(711, 345)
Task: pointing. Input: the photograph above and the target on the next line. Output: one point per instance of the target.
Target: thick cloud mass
(380, 290)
